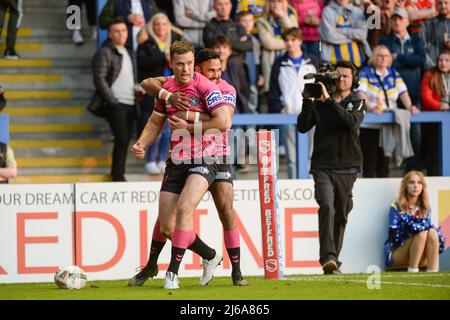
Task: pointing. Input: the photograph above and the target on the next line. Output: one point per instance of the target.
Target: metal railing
(442, 118)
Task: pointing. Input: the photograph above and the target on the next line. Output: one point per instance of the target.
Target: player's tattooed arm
(190, 116)
(153, 87)
(220, 120)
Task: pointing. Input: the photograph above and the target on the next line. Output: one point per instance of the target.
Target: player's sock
(158, 242)
(202, 249)
(233, 248)
(180, 241)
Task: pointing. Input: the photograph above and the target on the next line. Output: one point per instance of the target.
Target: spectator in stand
(419, 11)
(343, 30)
(413, 241)
(192, 16)
(386, 9)
(286, 88)
(436, 33)
(223, 25)
(167, 8)
(309, 13)
(153, 57)
(135, 13)
(278, 16)
(381, 86)
(408, 52)
(235, 75)
(91, 12)
(14, 7)
(255, 7)
(115, 82)
(435, 97)
(252, 61)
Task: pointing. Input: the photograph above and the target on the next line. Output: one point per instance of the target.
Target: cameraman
(336, 158)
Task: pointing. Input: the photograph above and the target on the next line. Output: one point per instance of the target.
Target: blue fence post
(4, 128)
(302, 155)
(445, 144)
(102, 34)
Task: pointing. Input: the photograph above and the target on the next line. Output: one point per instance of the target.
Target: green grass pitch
(392, 285)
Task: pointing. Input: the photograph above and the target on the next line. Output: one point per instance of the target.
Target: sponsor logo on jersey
(213, 98)
(230, 98)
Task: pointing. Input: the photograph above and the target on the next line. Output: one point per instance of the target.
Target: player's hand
(177, 123)
(325, 94)
(179, 101)
(138, 150)
(181, 114)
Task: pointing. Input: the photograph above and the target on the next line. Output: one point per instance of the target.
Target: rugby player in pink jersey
(188, 173)
(207, 63)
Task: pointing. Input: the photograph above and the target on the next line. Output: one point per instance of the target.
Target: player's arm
(220, 120)
(153, 87)
(194, 116)
(151, 132)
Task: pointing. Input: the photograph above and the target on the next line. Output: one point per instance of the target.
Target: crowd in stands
(399, 45)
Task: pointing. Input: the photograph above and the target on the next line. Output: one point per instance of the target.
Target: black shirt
(336, 141)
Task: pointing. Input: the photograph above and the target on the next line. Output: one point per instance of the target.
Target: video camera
(326, 74)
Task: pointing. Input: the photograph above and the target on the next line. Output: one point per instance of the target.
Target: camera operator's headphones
(355, 73)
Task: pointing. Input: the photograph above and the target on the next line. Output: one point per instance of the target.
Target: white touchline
(365, 281)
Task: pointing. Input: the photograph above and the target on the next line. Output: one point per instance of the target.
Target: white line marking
(437, 285)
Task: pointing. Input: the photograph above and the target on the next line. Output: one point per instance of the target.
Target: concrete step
(42, 81)
(50, 128)
(24, 33)
(53, 162)
(47, 65)
(103, 150)
(47, 94)
(61, 178)
(54, 38)
(94, 133)
(53, 50)
(61, 143)
(69, 71)
(45, 110)
(48, 17)
(21, 33)
(61, 119)
(81, 101)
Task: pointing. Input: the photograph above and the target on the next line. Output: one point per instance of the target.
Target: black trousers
(375, 164)
(333, 193)
(12, 7)
(121, 119)
(91, 9)
(430, 148)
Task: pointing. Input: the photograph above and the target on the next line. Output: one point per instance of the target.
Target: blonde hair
(266, 10)
(375, 52)
(147, 32)
(423, 201)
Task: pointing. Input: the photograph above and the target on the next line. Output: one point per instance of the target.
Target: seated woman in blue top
(413, 241)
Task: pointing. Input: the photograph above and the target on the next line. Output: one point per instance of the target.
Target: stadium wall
(106, 228)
